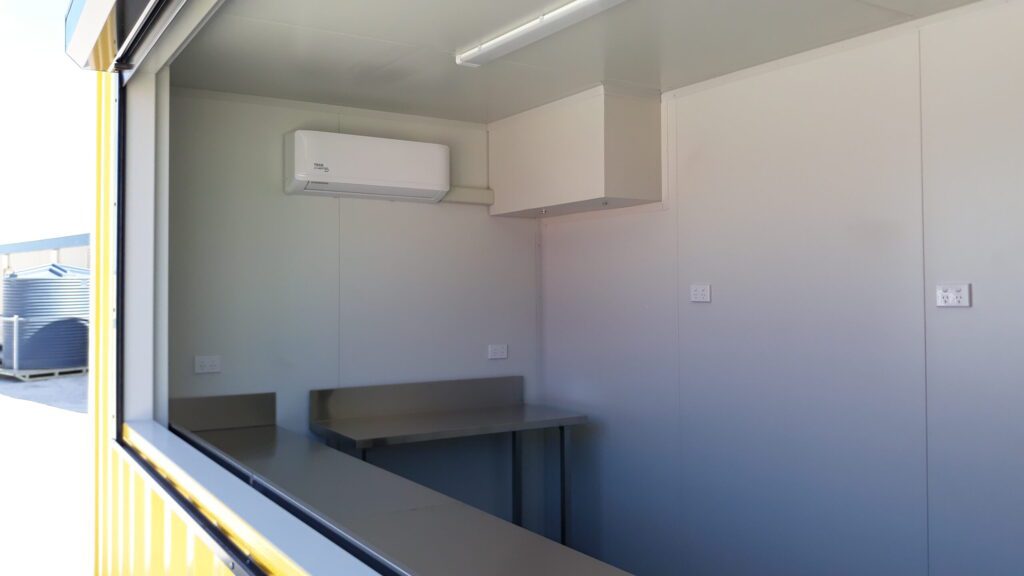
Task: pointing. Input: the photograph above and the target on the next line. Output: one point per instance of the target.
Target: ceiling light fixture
(547, 24)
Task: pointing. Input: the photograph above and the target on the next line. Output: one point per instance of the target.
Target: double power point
(700, 293)
(953, 295)
(207, 365)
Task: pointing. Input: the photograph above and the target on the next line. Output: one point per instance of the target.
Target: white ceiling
(398, 55)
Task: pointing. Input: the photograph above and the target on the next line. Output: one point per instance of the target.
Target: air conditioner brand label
(321, 167)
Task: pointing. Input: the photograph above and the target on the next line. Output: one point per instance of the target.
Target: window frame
(254, 534)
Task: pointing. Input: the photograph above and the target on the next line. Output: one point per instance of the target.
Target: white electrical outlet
(700, 292)
(953, 295)
(207, 364)
(497, 351)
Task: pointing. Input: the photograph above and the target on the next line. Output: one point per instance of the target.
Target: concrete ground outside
(45, 477)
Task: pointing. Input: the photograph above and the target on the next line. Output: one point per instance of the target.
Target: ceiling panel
(672, 43)
(269, 59)
(284, 61)
(916, 8)
(440, 24)
(398, 55)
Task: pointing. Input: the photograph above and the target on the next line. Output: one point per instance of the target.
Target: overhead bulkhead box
(332, 164)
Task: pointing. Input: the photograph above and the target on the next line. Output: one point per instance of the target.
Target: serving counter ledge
(407, 528)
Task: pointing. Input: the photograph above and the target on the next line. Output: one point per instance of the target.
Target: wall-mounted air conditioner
(331, 164)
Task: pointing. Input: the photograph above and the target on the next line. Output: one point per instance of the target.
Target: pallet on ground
(30, 375)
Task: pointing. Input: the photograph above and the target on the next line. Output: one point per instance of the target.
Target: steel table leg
(517, 479)
(564, 498)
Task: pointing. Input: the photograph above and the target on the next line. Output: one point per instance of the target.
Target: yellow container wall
(137, 529)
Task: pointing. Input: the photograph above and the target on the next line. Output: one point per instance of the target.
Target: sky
(47, 117)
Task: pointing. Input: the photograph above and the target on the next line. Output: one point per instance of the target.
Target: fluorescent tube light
(547, 24)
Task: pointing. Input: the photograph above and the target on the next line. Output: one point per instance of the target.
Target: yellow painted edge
(250, 541)
(103, 497)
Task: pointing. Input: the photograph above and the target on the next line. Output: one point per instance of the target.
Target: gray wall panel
(973, 85)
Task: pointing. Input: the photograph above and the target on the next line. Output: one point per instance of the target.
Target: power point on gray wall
(207, 364)
(953, 295)
(497, 351)
(700, 293)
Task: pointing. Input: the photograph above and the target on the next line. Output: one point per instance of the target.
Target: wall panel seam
(924, 303)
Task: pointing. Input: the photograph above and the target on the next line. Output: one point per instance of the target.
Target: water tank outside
(53, 305)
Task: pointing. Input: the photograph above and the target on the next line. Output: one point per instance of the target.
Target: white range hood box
(332, 164)
(596, 150)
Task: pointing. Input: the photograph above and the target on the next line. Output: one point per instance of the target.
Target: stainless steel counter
(364, 417)
(410, 527)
